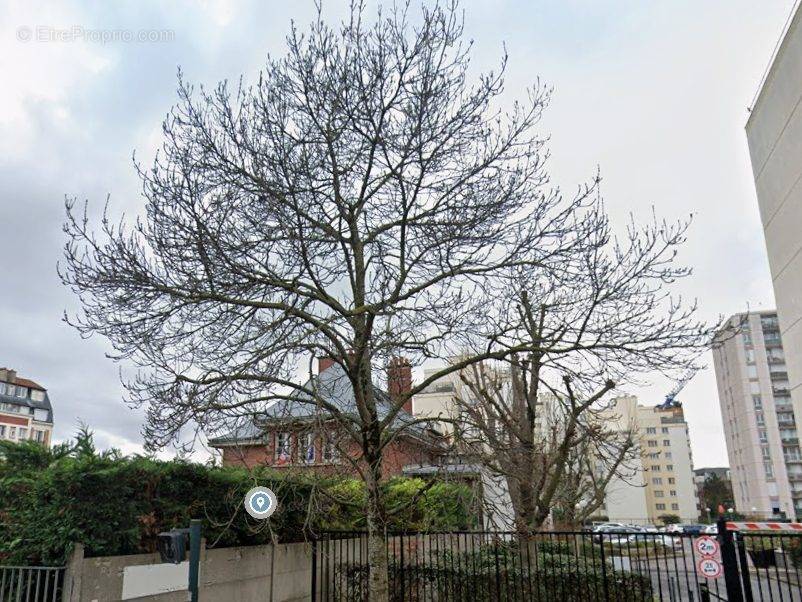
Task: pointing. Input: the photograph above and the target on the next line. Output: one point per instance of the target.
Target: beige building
(774, 132)
(665, 483)
(25, 411)
(759, 423)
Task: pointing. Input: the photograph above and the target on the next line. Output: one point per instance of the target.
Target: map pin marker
(260, 503)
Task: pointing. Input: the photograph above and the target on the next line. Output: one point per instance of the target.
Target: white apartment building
(759, 418)
(774, 132)
(664, 483)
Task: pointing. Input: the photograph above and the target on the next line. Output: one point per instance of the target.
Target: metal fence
(499, 566)
(769, 565)
(31, 583)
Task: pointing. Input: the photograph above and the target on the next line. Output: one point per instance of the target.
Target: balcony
(779, 375)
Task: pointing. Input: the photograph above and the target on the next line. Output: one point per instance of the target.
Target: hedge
(113, 504)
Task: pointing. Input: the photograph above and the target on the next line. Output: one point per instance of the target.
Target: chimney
(324, 363)
(8, 375)
(399, 380)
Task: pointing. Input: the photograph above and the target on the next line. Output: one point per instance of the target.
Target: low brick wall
(243, 574)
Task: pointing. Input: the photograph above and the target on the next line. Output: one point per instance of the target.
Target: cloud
(652, 93)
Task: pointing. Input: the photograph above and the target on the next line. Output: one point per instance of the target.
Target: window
(2, 431)
(657, 481)
(660, 506)
(672, 493)
(22, 392)
(664, 430)
(762, 436)
(330, 451)
(650, 430)
(666, 442)
(675, 506)
(760, 419)
(37, 395)
(669, 467)
(656, 467)
(671, 480)
(282, 449)
(757, 401)
(10, 390)
(667, 455)
(309, 448)
(764, 450)
(12, 432)
(651, 443)
(658, 493)
(23, 432)
(768, 469)
(750, 356)
(40, 415)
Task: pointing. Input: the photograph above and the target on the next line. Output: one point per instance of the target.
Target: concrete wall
(243, 574)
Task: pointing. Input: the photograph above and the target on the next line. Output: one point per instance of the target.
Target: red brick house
(301, 434)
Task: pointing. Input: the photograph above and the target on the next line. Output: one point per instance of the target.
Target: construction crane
(684, 380)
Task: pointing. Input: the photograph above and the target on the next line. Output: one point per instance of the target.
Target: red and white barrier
(751, 526)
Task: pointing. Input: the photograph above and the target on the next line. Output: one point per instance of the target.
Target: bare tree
(600, 318)
(363, 199)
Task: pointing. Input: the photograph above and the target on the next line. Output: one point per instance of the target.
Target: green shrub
(50, 499)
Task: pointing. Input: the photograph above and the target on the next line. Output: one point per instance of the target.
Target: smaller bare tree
(557, 453)
(601, 317)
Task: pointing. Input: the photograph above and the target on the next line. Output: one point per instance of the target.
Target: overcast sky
(655, 94)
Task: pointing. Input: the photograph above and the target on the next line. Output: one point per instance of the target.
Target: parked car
(617, 533)
(606, 527)
(692, 529)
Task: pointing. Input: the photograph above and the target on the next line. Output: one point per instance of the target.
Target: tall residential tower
(759, 424)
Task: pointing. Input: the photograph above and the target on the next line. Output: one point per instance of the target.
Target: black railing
(31, 583)
(773, 562)
(500, 566)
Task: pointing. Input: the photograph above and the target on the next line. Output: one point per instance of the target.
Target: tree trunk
(378, 587)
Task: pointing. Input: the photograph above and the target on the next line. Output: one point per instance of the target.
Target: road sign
(709, 568)
(706, 546)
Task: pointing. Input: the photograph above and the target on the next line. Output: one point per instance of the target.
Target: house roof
(331, 385)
